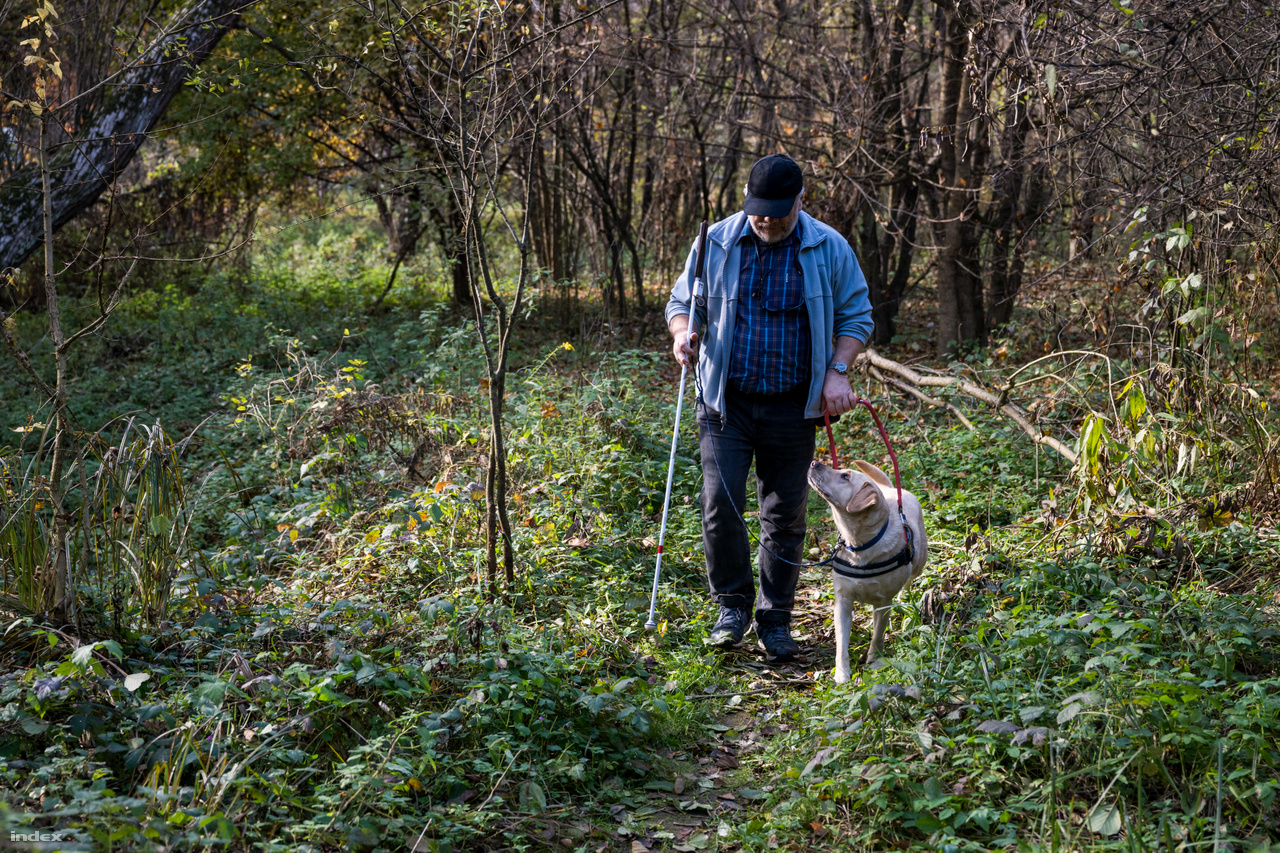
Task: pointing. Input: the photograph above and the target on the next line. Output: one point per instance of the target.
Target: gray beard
(772, 240)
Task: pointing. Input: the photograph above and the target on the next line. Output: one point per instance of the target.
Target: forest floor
(331, 672)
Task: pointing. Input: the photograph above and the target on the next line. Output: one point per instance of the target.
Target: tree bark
(959, 279)
(134, 103)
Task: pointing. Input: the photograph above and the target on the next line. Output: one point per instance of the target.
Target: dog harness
(881, 567)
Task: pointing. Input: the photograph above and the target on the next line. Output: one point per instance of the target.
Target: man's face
(771, 229)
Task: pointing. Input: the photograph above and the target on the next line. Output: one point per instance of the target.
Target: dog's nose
(815, 464)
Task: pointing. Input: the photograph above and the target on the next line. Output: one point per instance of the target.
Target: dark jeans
(774, 430)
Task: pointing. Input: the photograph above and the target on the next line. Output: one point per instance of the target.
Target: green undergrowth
(333, 673)
(1062, 703)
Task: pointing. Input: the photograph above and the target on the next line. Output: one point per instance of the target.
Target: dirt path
(716, 782)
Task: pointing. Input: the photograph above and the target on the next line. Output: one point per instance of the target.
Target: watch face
(840, 367)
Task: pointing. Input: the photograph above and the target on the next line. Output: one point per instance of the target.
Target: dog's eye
(844, 475)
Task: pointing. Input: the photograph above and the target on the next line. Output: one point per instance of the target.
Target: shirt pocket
(786, 295)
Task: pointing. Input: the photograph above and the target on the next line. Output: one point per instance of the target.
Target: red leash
(835, 462)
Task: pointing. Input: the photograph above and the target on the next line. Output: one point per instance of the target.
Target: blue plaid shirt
(771, 346)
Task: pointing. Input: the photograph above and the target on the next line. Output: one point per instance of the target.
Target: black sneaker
(730, 627)
(775, 640)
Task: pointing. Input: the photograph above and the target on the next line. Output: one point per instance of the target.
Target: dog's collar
(865, 545)
(882, 567)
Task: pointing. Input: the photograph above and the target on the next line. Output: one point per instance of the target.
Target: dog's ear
(863, 499)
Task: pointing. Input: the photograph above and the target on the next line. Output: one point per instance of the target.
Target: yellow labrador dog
(878, 555)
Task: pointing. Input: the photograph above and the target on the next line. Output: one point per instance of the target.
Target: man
(783, 313)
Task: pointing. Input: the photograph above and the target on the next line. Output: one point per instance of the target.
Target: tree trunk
(959, 279)
(62, 426)
(134, 102)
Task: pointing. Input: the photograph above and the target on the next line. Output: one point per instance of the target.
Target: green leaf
(1105, 819)
(1195, 315)
(207, 698)
(532, 798)
(34, 725)
(1031, 713)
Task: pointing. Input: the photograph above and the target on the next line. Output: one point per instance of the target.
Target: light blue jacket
(835, 294)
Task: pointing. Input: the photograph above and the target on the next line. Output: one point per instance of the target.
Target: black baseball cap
(775, 182)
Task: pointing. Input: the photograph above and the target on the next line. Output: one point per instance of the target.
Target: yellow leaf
(372, 535)
(281, 528)
(411, 523)
(293, 535)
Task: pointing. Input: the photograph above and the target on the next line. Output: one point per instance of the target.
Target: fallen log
(911, 381)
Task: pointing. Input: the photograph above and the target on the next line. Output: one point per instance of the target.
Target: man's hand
(837, 394)
(684, 346)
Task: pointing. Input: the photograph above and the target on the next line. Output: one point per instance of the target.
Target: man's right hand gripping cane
(684, 345)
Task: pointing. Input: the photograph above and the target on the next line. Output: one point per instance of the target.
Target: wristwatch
(840, 367)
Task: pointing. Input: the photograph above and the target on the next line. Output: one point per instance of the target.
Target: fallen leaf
(816, 760)
(997, 727)
(1037, 735)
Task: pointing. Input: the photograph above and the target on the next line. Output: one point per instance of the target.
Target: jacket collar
(727, 231)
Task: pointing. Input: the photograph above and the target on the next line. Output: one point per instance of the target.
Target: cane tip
(650, 625)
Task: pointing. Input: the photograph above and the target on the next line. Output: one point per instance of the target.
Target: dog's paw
(870, 657)
(842, 676)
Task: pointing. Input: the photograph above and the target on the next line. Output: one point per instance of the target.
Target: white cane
(698, 261)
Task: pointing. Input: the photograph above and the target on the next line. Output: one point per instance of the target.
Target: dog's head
(848, 491)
